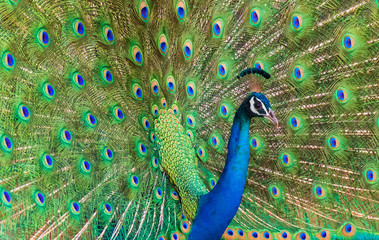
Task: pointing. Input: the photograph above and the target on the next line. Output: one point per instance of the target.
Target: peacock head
(257, 105)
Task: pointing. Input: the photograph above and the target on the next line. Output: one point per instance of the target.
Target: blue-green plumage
(114, 118)
(217, 208)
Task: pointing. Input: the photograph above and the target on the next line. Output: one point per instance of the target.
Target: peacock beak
(272, 118)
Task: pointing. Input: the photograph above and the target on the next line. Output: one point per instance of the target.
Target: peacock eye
(257, 105)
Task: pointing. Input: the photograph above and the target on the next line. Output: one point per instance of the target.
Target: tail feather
(82, 83)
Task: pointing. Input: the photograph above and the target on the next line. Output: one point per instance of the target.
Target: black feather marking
(256, 71)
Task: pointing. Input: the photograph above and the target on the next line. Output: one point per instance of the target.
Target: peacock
(189, 119)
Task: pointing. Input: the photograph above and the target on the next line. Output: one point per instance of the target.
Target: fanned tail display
(116, 116)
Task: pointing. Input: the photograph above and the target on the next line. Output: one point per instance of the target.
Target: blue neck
(217, 208)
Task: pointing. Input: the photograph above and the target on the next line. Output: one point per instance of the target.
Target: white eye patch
(254, 110)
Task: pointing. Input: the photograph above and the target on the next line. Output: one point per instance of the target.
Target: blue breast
(217, 208)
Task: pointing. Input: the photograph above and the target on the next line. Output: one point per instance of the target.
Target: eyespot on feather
(302, 236)
(295, 122)
(319, 192)
(155, 87)
(240, 234)
(255, 17)
(218, 28)
(164, 103)
(275, 191)
(185, 227)
(187, 50)
(118, 114)
(255, 143)
(66, 136)
(9, 61)
(174, 195)
(286, 159)
(191, 121)
(324, 235)
(78, 80)
(90, 120)
(298, 73)
(47, 161)
(78, 28)
(144, 11)
(163, 44)
(229, 234)
(222, 70)
(348, 42)
(107, 154)
(43, 37)
(254, 235)
(191, 89)
(170, 82)
(6, 143)
(342, 95)
(23, 113)
(106, 75)
(348, 230)
(141, 149)
(158, 193)
(284, 235)
(137, 92)
(154, 162)
(48, 91)
(296, 22)
(75, 208)
(155, 111)
(259, 65)
(39, 199)
(224, 110)
(266, 235)
(107, 208)
(85, 166)
(137, 55)
(108, 34)
(6, 197)
(334, 142)
(134, 181)
(370, 175)
(181, 10)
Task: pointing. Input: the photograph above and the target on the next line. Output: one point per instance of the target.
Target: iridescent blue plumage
(217, 208)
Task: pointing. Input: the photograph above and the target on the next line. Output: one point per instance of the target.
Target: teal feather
(314, 176)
